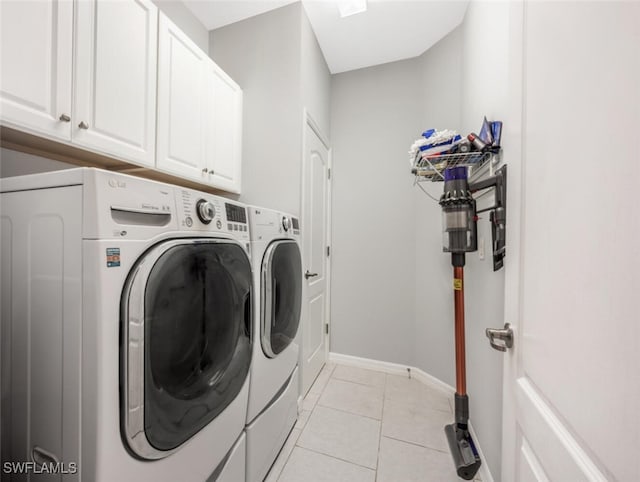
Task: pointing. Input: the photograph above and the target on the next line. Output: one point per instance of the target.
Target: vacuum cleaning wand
(460, 237)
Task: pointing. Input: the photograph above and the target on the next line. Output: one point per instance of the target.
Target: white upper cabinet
(118, 78)
(182, 103)
(224, 143)
(114, 109)
(36, 65)
(199, 113)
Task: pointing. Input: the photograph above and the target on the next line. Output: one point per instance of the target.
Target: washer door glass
(193, 298)
(281, 296)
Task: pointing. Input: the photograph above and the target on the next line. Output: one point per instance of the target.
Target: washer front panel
(186, 351)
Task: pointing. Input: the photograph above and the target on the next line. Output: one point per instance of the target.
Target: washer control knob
(205, 210)
(286, 223)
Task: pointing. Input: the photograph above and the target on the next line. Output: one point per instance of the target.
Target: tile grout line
(381, 436)
(321, 453)
(384, 393)
(336, 458)
(351, 413)
(288, 456)
(305, 426)
(357, 383)
(415, 444)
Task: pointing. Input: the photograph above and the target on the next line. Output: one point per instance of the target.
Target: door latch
(308, 275)
(505, 335)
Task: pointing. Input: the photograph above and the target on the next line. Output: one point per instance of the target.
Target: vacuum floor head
(463, 451)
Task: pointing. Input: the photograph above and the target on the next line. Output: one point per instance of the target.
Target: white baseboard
(421, 376)
(393, 369)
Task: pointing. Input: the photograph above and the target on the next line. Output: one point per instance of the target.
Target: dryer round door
(186, 348)
(281, 296)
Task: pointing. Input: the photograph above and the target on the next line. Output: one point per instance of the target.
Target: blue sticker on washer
(113, 257)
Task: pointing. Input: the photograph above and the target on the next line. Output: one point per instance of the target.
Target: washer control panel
(295, 225)
(198, 211)
(236, 217)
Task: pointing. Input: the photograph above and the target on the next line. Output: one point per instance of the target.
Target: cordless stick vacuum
(460, 237)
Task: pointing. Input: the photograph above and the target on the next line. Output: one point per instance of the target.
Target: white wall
(375, 113)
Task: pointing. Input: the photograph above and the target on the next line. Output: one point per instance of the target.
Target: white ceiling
(389, 30)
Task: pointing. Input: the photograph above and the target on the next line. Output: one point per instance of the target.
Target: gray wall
(186, 21)
(399, 308)
(374, 117)
(276, 60)
(485, 89)
(315, 78)
(441, 108)
(262, 54)
(15, 163)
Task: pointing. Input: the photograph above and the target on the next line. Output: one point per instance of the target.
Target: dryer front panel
(186, 318)
(281, 296)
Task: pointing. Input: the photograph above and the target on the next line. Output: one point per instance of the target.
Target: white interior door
(315, 260)
(35, 66)
(115, 78)
(572, 385)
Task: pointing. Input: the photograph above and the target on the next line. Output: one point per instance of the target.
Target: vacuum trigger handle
(506, 335)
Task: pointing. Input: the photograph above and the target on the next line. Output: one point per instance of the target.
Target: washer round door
(186, 350)
(281, 296)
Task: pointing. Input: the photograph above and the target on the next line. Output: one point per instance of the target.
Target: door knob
(83, 125)
(308, 275)
(505, 335)
(64, 118)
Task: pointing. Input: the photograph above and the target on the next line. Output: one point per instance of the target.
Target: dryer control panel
(268, 224)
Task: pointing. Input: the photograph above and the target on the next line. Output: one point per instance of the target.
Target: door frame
(514, 150)
(307, 119)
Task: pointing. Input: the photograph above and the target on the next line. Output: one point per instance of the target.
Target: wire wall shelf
(431, 168)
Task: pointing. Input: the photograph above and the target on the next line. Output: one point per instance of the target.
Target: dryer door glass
(281, 296)
(197, 342)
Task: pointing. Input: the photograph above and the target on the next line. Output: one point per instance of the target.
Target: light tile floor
(363, 425)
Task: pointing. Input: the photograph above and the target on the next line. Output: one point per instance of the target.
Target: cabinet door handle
(211, 173)
(65, 118)
(205, 170)
(83, 125)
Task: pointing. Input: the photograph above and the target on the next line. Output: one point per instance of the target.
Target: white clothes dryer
(126, 328)
(274, 383)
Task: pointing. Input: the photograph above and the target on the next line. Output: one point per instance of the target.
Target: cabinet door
(182, 100)
(224, 143)
(115, 78)
(35, 66)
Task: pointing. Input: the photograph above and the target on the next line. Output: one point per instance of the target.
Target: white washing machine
(126, 328)
(273, 392)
